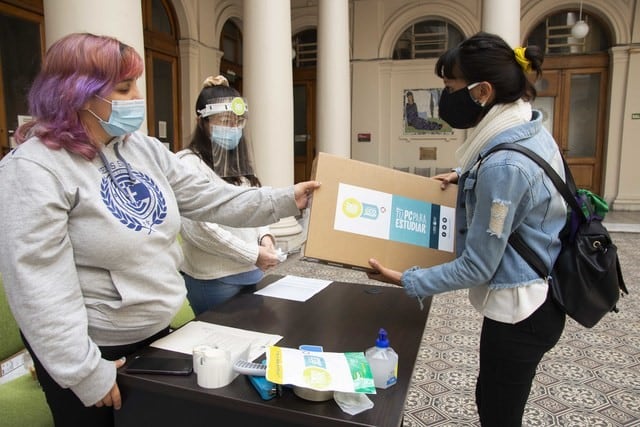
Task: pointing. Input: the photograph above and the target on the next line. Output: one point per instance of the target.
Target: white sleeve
(208, 236)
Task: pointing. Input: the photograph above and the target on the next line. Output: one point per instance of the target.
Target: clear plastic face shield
(225, 120)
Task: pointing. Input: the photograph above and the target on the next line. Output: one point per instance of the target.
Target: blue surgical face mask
(225, 136)
(126, 116)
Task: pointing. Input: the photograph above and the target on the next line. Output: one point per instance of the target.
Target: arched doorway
(161, 62)
(573, 92)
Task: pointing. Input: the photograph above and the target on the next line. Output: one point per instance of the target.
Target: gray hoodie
(89, 253)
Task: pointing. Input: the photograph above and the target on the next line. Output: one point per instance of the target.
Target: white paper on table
(196, 333)
(294, 288)
(322, 371)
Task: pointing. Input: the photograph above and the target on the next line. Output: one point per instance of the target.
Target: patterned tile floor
(591, 378)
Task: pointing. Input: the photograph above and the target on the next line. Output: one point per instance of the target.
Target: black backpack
(586, 279)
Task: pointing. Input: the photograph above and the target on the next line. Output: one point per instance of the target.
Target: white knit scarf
(499, 118)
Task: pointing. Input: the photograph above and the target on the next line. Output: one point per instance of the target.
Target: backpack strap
(567, 190)
(534, 261)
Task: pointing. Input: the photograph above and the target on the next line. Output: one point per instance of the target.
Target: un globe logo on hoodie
(133, 198)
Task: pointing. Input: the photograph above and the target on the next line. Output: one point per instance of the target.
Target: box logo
(401, 219)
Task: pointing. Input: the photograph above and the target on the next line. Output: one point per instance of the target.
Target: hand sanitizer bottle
(383, 361)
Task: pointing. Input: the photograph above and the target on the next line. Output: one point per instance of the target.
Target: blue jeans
(206, 294)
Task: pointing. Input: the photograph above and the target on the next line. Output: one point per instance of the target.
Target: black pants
(67, 410)
(509, 356)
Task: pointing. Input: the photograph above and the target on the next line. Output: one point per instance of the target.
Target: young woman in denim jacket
(487, 92)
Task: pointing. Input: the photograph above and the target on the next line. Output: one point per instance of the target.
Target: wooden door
(161, 35)
(572, 96)
(162, 98)
(304, 145)
(21, 51)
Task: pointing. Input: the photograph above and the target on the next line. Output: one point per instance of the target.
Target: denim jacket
(504, 192)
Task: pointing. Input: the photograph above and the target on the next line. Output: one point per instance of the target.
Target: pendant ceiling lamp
(580, 29)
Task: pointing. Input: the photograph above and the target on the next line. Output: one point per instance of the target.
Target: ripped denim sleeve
(499, 212)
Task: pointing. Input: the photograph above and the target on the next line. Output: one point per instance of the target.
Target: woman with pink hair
(90, 212)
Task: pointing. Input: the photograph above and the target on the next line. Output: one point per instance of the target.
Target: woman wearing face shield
(487, 91)
(221, 261)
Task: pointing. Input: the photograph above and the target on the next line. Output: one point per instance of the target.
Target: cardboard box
(364, 211)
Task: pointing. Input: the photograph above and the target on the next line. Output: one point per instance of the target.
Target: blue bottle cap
(382, 341)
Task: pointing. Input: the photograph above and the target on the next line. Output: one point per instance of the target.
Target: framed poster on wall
(420, 112)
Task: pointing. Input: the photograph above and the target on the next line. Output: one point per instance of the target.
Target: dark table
(343, 317)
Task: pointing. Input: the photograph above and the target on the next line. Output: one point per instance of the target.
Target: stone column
(268, 88)
(628, 197)
(121, 19)
(268, 83)
(334, 77)
(502, 17)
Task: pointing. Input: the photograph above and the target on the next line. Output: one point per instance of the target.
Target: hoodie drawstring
(106, 164)
(126, 164)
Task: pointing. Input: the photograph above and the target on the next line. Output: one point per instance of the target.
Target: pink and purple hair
(75, 68)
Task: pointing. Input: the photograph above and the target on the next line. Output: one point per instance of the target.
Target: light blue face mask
(126, 116)
(226, 137)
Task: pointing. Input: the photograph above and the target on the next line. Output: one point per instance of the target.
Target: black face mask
(459, 109)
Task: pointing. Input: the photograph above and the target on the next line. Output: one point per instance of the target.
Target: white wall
(379, 82)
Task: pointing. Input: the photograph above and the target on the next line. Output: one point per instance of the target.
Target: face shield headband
(236, 106)
(231, 151)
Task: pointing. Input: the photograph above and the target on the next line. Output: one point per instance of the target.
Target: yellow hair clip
(524, 63)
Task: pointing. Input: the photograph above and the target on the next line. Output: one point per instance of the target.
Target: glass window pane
(305, 45)
(545, 105)
(163, 100)
(402, 50)
(229, 49)
(20, 56)
(231, 43)
(426, 39)
(300, 120)
(554, 34)
(160, 19)
(583, 114)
